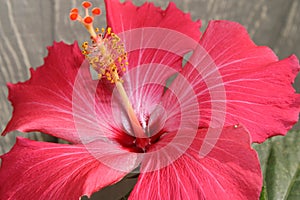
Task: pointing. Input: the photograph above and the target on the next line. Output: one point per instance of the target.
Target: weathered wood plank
(288, 41)
(263, 19)
(23, 37)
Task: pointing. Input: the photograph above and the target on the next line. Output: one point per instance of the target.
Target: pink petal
(155, 47)
(267, 106)
(154, 56)
(238, 82)
(230, 171)
(44, 103)
(125, 16)
(147, 74)
(149, 32)
(145, 86)
(61, 99)
(40, 170)
(96, 116)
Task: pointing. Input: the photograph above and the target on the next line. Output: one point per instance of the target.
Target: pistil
(108, 57)
(138, 130)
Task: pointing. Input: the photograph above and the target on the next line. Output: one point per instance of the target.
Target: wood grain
(23, 37)
(28, 26)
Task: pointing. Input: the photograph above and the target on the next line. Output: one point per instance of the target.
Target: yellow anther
(96, 59)
(110, 60)
(108, 30)
(101, 64)
(106, 54)
(102, 71)
(102, 50)
(119, 51)
(116, 38)
(114, 45)
(85, 45)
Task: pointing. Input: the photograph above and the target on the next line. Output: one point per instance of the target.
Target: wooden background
(28, 26)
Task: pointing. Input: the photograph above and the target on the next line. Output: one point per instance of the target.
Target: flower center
(108, 57)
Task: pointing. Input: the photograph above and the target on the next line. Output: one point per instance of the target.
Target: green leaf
(280, 163)
(263, 195)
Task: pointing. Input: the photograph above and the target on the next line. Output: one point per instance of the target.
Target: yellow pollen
(108, 30)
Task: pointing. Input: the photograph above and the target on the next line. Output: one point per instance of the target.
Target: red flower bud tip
(88, 20)
(86, 4)
(73, 16)
(96, 11)
(74, 10)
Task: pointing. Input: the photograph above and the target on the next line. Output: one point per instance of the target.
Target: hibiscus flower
(190, 140)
